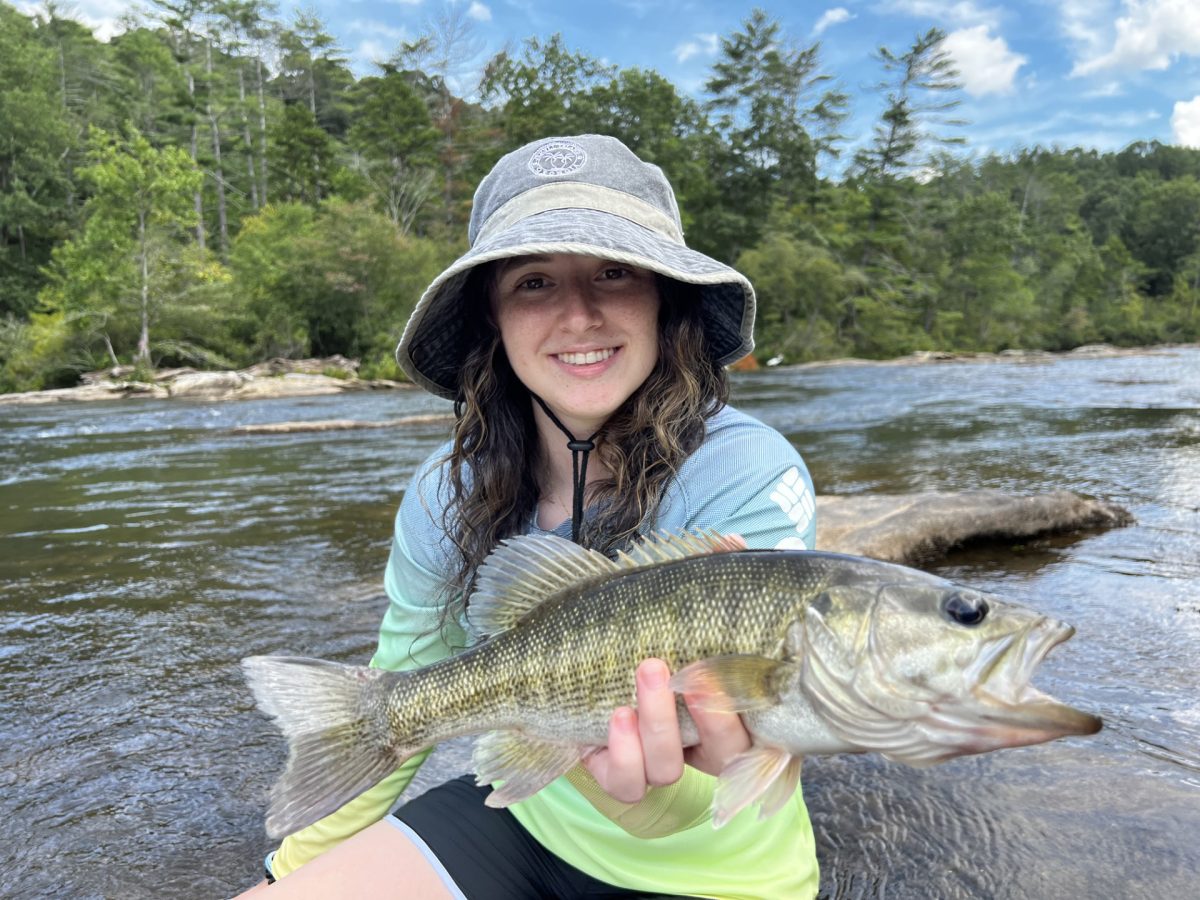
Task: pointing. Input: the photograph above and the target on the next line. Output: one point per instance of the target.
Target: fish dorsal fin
(667, 546)
(521, 573)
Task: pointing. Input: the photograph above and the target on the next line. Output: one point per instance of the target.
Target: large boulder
(912, 528)
(206, 385)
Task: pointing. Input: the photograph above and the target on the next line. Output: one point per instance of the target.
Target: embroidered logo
(796, 502)
(557, 158)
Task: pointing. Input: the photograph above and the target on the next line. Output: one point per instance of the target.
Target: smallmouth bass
(818, 652)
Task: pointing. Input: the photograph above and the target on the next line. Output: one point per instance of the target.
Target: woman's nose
(581, 307)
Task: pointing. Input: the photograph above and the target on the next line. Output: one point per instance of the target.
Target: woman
(584, 347)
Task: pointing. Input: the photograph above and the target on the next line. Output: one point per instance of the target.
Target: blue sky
(1092, 73)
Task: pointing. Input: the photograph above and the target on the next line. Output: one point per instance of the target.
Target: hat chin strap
(579, 460)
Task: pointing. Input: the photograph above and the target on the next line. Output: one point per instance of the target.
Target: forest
(214, 186)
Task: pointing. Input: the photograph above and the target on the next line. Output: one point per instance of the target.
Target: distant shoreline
(311, 377)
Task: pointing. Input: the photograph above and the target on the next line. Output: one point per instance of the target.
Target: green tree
(129, 259)
(778, 115)
(302, 154)
(396, 145)
(35, 139)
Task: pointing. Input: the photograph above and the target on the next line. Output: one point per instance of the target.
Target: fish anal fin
(753, 775)
(525, 765)
(733, 683)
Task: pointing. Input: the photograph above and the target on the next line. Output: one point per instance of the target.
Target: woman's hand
(644, 747)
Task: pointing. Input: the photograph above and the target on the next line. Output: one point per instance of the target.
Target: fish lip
(1012, 706)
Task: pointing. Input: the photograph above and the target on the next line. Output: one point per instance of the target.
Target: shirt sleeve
(412, 634)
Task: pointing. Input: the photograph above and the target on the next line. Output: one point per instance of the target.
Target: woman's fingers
(619, 768)
(658, 724)
(722, 737)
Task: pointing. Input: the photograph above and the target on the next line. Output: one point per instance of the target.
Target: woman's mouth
(585, 359)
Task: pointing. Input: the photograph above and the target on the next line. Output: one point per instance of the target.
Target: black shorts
(486, 853)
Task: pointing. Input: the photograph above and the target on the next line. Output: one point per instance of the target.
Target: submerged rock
(912, 528)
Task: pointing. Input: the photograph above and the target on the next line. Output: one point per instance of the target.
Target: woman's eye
(531, 284)
(614, 273)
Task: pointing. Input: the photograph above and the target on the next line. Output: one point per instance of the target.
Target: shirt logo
(557, 158)
(795, 501)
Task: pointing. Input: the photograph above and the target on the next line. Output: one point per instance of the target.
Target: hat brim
(433, 346)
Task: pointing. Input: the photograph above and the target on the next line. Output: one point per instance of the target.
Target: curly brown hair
(642, 445)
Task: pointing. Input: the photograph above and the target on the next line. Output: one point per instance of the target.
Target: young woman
(584, 347)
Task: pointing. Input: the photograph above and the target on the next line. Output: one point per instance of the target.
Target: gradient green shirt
(744, 479)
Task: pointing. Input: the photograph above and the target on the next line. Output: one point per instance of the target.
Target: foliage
(213, 186)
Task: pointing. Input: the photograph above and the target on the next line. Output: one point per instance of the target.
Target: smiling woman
(578, 327)
(579, 332)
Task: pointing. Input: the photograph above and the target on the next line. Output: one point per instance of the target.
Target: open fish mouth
(1011, 711)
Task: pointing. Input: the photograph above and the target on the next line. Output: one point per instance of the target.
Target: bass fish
(819, 652)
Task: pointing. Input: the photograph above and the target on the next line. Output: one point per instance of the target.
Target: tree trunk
(143, 347)
(218, 172)
(246, 139)
(262, 129)
(194, 149)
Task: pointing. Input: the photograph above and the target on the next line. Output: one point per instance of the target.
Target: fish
(818, 652)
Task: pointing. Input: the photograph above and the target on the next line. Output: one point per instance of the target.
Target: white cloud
(1185, 122)
(831, 17)
(1151, 35)
(1110, 89)
(957, 12)
(985, 63)
(479, 12)
(101, 16)
(703, 43)
(376, 29)
(1087, 23)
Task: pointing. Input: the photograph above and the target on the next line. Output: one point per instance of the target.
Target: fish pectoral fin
(524, 764)
(761, 772)
(736, 683)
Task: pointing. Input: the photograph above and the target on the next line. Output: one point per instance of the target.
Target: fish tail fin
(335, 720)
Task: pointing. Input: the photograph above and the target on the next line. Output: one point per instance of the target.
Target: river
(145, 548)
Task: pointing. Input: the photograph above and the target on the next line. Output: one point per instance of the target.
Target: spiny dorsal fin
(666, 546)
(521, 573)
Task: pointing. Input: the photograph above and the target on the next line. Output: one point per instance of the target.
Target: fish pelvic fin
(735, 683)
(524, 765)
(761, 773)
(523, 572)
(335, 721)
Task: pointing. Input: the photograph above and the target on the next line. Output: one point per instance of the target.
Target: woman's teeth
(584, 359)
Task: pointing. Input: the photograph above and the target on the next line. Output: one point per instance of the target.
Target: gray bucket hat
(587, 195)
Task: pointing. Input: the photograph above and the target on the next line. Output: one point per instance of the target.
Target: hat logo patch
(557, 158)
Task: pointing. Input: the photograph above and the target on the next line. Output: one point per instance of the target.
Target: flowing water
(145, 548)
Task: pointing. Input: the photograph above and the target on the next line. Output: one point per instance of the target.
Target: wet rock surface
(916, 528)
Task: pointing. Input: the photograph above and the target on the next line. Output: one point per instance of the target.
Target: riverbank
(337, 374)
(270, 379)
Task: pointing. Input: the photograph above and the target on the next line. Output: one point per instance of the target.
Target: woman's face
(580, 332)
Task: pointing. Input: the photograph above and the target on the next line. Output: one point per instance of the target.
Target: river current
(146, 547)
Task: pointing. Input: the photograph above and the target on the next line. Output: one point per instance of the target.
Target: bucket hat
(589, 195)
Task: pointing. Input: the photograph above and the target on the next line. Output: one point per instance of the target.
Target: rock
(108, 390)
(206, 385)
(295, 384)
(340, 424)
(911, 528)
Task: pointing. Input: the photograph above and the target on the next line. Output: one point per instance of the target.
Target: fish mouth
(1011, 711)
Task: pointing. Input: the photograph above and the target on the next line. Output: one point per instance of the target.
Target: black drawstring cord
(578, 466)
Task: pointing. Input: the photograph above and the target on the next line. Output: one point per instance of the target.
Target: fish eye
(965, 609)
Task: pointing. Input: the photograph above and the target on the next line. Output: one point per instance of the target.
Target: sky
(1053, 73)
